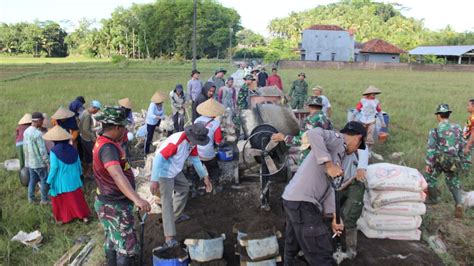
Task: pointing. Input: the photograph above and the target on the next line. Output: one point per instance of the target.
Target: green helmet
(315, 101)
(114, 115)
(443, 108)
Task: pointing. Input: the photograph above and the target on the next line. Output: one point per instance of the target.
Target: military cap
(315, 101)
(302, 74)
(114, 115)
(221, 69)
(443, 108)
(249, 77)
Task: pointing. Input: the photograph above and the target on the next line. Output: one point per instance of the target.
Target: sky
(255, 14)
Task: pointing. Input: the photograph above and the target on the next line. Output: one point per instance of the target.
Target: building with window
(333, 43)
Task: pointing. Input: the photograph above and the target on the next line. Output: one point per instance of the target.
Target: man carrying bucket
(168, 180)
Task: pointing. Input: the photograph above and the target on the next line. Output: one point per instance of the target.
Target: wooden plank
(83, 254)
(66, 258)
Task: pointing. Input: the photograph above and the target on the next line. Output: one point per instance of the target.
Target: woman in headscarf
(178, 100)
(64, 179)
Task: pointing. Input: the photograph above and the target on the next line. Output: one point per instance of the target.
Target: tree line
(164, 29)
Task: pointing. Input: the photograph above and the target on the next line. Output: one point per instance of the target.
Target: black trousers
(150, 131)
(213, 169)
(306, 231)
(178, 121)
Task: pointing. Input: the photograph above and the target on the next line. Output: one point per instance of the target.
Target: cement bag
(386, 176)
(399, 208)
(382, 198)
(395, 235)
(391, 222)
(468, 199)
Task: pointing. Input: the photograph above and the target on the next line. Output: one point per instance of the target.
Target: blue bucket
(157, 261)
(225, 154)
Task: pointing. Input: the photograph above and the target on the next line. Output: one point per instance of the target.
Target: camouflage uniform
(114, 209)
(318, 119)
(444, 155)
(298, 93)
(118, 222)
(242, 98)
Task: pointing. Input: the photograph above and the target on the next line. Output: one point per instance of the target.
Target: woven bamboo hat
(47, 121)
(26, 119)
(372, 90)
(62, 113)
(210, 108)
(125, 102)
(57, 133)
(158, 97)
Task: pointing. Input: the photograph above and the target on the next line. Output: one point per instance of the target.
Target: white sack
(395, 235)
(386, 176)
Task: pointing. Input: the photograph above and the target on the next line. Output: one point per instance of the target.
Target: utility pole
(133, 43)
(194, 34)
(230, 43)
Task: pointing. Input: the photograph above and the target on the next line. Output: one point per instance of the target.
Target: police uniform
(298, 93)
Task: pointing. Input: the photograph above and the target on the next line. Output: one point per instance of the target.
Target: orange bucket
(383, 136)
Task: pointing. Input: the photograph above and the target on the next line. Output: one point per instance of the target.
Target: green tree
(248, 38)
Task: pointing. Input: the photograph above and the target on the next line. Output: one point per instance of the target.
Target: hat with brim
(210, 108)
(317, 88)
(125, 102)
(302, 74)
(158, 97)
(371, 90)
(443, 109)
(62, 113)
(315, 101)
(356, 128)
(197, 134)
(47, 121)
(26, 119)
(249, 77)
(255, 70)
(219, 70)
(113, 115)
(57, 133)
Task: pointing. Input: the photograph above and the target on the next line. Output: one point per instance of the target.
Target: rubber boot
(351, 243)
(458, 209)
(111, 257)
(124, 260)
(433, 195)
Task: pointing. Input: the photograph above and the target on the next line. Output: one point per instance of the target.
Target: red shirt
(275, 80)
(20, 129)
(108, 152)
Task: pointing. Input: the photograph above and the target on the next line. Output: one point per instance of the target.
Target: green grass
(30, 84)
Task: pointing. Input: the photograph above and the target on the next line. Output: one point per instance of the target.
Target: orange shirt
(469, 127)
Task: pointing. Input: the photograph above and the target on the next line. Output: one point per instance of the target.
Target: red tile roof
(325, 27)
(378, 46)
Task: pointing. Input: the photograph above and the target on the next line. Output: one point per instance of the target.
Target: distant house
(378, 50)
(460, 54)
(333, 43)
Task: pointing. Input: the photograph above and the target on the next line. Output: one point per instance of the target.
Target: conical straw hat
(62, 113)
(57, 133)
(47, 121)
(371, 90)
(210, 108)
(158, 97)
(26, 119)
(125, 102)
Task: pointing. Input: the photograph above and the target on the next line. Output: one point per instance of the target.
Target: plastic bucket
(258, 249)
(157, 261)
(204, 250)
(225, 154)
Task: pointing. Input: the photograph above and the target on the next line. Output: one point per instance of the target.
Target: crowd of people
(92, 142)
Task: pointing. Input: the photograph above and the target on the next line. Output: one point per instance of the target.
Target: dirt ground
(219, 213)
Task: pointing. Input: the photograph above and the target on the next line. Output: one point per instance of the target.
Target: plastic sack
(391, 222)
(395, 235)
(386, 176)
(398, 208)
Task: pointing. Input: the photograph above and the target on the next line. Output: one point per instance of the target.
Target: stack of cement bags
(393, 202)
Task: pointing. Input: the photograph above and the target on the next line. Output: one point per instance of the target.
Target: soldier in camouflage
(298, 92)
(244, 92)
(116, 193)
(444, 155)
(316, 118)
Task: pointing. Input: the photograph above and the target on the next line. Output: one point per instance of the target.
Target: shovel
(142, 220)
